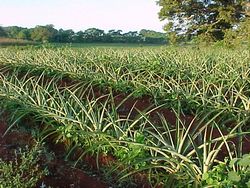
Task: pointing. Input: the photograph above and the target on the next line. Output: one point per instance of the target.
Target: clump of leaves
(236, 173)
(133, 153)
(24, 171)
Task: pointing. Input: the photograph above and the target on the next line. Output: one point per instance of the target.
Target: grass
(210, 85)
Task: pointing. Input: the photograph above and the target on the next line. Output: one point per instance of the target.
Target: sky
(127, 15)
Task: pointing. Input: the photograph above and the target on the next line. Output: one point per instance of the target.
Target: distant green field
(118, 45)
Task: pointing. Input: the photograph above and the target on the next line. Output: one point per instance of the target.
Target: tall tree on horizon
(207, 18)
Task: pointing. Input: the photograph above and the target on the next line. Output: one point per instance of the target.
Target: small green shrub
(236, 173)
(133, 154)
(24, 171)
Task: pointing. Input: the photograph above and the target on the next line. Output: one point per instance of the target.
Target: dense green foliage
(24, 171)
(235, 173)
(211, 85)
(208, 19)
(2, 32)
(92, 35)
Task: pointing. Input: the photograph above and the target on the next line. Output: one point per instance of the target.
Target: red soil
(61, 174)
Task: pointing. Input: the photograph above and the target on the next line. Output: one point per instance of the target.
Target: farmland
(152, 116)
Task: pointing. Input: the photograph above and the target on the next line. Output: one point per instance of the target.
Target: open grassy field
(152, 116)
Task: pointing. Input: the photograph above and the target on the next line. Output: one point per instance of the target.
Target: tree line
(48, 33)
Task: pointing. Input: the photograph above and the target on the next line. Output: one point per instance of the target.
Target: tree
(44, 33)
(2, 32)
(150, 36)
(78, 37)
(64, 35)
(13, 31)
(131, 37)
(23, 34)
(114, 36)
(207, 18)
(93, 35)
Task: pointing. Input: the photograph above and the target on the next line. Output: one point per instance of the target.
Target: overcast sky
(127, 15)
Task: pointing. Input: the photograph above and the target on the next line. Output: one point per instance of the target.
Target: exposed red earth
(61, 174)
